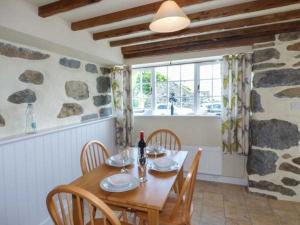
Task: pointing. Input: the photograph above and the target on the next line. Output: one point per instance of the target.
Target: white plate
(172, 167)
(116, 161)
(165, 162)
(127, 182)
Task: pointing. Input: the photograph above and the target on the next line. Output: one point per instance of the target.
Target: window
(197, 89)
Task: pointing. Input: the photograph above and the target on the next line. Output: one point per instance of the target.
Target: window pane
(206, 87)
(205, 71)
(174, 73)
(187, 88)
(217, 71)
(217, 87)
(187, 102)
(136, 90)
(147, 102)
(146, 89)
(146, 76)
(161, 74)
(162, 89)
(174, 87)
(187, 72)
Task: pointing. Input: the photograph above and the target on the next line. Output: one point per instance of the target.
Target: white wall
(33, 165)
(19, 22)
(194, 132)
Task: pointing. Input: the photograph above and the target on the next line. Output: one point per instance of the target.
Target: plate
(152, 151)
(164, 165)
(119, 183)
(116, 161)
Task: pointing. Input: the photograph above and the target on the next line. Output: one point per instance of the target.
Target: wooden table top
(151, 194)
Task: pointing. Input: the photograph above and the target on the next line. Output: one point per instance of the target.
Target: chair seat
(100, 221)
(164, 215)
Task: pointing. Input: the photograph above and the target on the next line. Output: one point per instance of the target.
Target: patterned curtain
(122, 96)
(236, 72)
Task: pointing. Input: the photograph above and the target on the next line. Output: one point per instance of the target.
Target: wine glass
(142, 163)
(124, 156)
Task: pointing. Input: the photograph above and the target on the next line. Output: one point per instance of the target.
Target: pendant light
(169, 18)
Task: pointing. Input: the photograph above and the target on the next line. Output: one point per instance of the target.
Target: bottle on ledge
(141, 145)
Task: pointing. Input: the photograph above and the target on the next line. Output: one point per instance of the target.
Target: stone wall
(274, 160)
(62, 89)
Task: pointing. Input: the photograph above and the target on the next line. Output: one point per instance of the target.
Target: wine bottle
(141, 144)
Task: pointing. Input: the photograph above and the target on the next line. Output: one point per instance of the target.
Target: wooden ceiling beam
(205, 45)
(62, 6)
(127, 14)
(266, 29)
(203, 15)
(260, 20)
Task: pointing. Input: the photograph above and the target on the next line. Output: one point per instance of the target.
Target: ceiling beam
(127, 14)
(272, 29)
(204, 45)
(203, 15)
(191, 43)
(260, 20)
(63, 6)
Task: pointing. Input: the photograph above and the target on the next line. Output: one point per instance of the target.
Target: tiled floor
(224, 204)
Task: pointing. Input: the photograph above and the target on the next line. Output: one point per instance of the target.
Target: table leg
(180, 179)
(153, 217)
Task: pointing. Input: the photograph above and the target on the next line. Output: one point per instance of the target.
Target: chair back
(185, 196)
(67, 205)
(93, 155)
(165, 138)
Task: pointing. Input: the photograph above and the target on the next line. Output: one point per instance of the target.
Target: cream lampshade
(169, 18)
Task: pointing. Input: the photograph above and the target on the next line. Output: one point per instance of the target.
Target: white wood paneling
(31, 166)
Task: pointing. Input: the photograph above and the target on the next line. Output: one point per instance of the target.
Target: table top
(151, 194)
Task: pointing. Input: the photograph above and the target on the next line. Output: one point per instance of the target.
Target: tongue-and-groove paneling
(31, 166)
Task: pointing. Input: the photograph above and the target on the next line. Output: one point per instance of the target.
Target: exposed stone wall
(63, 90)
(274, 160)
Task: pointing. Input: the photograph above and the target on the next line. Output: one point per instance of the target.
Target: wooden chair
(178, 209)
(66, 205)
(93, 154)
(166, 138)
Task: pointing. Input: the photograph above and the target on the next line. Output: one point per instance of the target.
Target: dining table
(148, 197)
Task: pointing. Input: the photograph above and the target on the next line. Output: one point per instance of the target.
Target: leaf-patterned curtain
(122, 96)
(236, 72)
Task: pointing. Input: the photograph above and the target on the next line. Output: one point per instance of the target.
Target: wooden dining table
(149, 197)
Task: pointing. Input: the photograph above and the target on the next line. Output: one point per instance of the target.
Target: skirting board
(222, 179)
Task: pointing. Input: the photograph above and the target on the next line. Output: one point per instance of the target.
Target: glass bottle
(30, 120)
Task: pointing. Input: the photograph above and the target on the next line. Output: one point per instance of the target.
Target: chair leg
(124, 215)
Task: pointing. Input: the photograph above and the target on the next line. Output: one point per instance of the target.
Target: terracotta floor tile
(281, 205)
(210, 187)
(237, 222)
(236, 212)
(297, 206)
(225, 204)
(211, 211)
(212, 199)
(263, 219)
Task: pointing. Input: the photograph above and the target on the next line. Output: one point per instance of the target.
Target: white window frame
(196, 81)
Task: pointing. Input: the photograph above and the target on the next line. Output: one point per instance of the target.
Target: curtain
(122, 98)
(236, 87)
